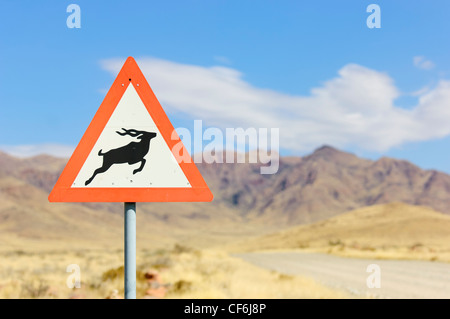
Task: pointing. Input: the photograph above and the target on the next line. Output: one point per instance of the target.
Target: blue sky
(314, 69)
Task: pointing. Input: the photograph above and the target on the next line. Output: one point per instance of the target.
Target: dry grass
(188, 273)
(390, 231)
(394, 231)
(43, 275)
(214, 274)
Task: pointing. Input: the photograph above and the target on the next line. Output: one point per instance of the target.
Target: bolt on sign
(126, 153)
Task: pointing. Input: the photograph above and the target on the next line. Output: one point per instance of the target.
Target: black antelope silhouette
(131, 153)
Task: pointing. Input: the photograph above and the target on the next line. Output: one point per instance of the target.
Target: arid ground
(241, 245)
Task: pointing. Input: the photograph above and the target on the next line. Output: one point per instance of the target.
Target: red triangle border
(63, 192)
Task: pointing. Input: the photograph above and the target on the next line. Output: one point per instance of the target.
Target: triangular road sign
(130, 152)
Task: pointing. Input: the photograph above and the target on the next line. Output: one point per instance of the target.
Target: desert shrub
(335, 242)
(181, 286)
(119, 273)
(368, 248)
(34, 289)
(161, 263)
(113, 273)
(303, 245)
(284, 277)
(179, 249)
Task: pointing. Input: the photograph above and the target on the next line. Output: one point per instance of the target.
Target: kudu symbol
(131, 153)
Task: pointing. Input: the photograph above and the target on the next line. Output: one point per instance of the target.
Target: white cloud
(58, 150)
(353, 109)
(222, 59)
(422, 63)
(420, 91)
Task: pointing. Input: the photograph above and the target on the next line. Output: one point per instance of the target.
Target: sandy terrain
(399, 278)
(182, 272)
(390, 231)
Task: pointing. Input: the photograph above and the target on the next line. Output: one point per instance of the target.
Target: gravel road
(398, 278)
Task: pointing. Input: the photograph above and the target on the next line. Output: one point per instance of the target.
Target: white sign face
(130, 152)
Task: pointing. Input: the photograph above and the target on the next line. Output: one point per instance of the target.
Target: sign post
(130, 251)
(130, 153)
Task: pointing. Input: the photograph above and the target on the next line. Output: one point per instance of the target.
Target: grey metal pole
(130, 251)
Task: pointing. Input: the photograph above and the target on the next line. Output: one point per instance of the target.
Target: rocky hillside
(324, 184)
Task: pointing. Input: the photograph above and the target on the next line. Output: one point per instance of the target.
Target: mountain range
(306, 189)
(324, 184)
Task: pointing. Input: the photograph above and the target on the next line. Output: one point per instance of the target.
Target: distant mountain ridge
(325, 183)
(306, 189)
